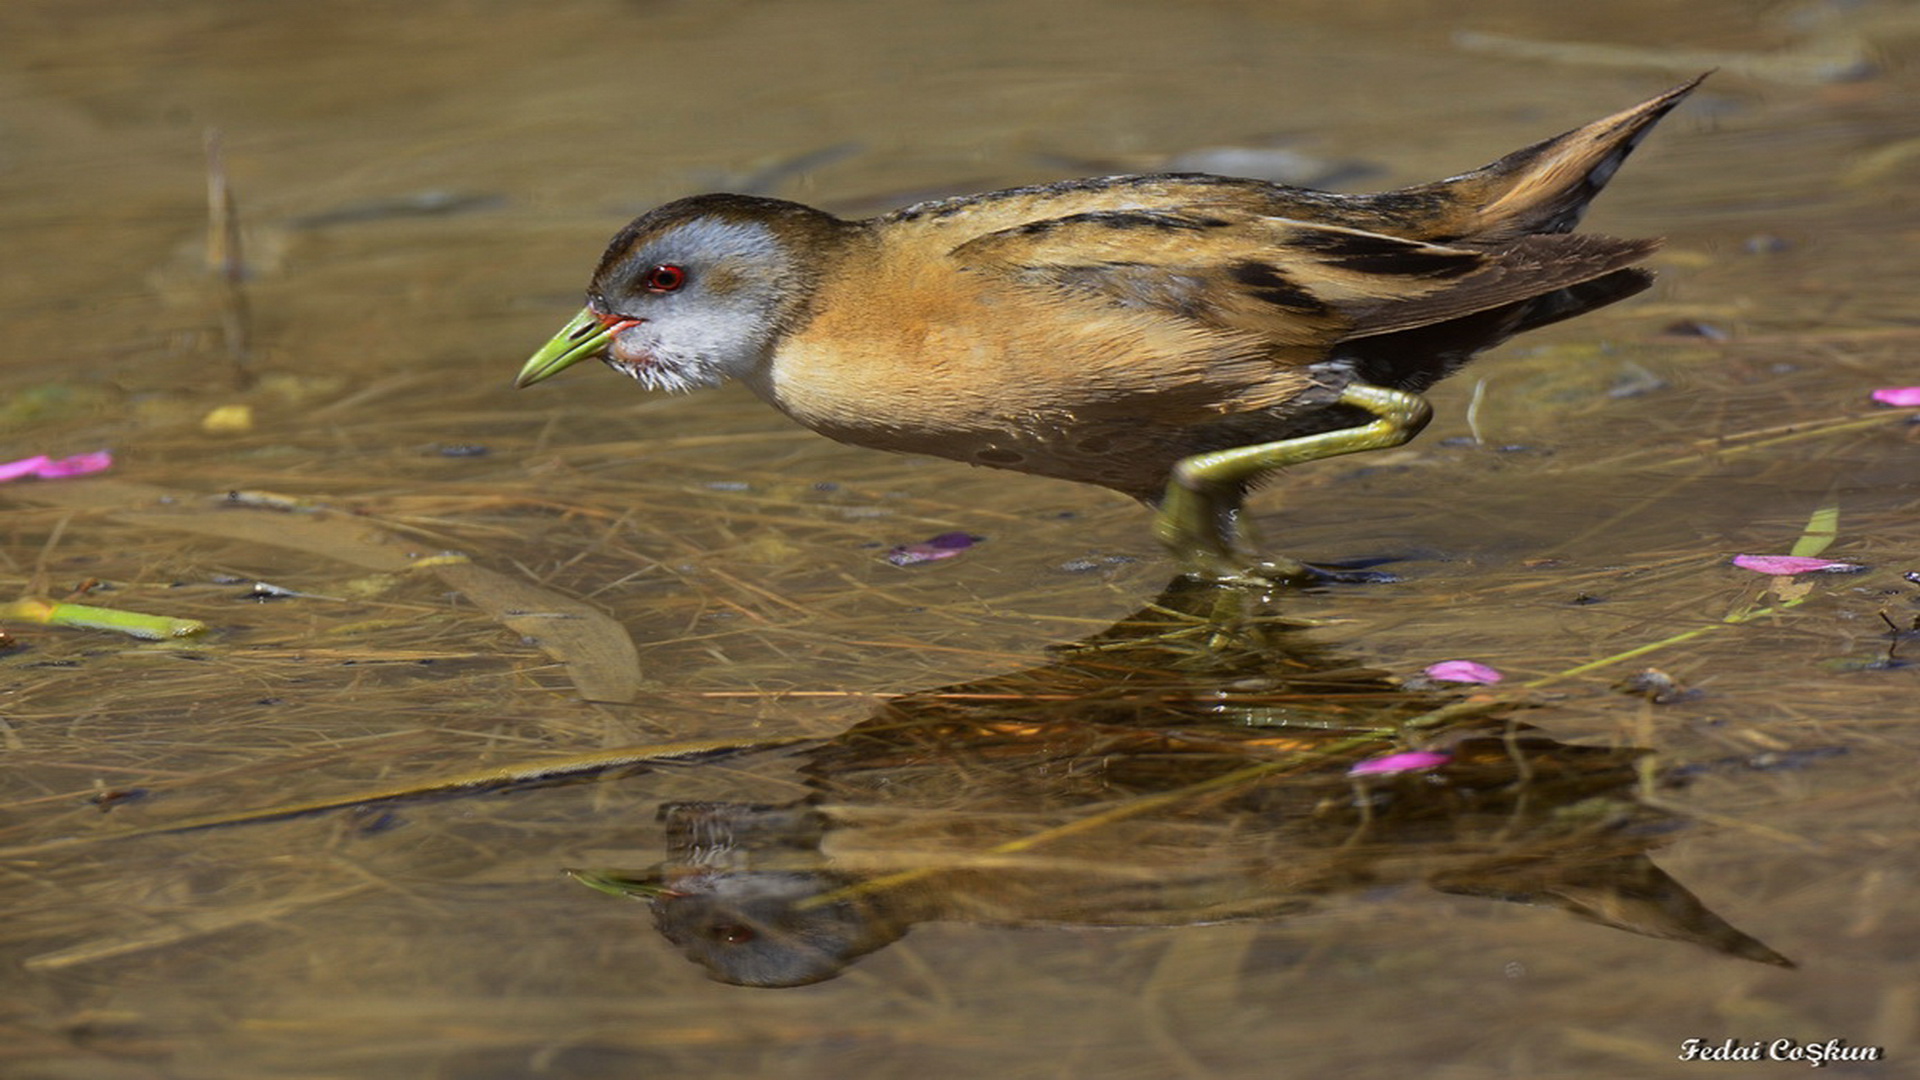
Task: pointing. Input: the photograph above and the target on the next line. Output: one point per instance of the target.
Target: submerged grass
(749, 591)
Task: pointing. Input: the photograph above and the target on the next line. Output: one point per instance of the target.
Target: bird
(1176, 337)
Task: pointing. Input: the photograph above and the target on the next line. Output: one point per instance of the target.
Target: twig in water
(227, 264)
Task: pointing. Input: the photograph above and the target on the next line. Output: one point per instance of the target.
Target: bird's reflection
(1162, 773)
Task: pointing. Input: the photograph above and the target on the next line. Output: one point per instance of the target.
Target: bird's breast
(965, 367)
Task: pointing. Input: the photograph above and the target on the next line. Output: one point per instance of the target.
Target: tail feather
(1416, 359)
(1545, 188)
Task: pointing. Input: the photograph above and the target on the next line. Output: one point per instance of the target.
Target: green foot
(1200, 518)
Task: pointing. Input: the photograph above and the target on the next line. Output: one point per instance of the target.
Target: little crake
(1177, 337)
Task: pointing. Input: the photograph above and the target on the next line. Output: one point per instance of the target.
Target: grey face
(706, 291)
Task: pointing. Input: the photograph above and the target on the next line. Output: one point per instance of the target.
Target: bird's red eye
(665, 278)
(731, 934)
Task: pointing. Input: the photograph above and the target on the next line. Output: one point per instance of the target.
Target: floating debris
(1696, 328)
(1463, 671)
(107, 798)
(1410, 761)
(1794, 564)
(43, 467)
(269, 500)
(85, 617)
(1636, 381)
(944, 546)
(228, 420)
(1656, 686)
(1090, 563)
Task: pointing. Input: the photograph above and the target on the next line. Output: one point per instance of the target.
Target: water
(1094, 881)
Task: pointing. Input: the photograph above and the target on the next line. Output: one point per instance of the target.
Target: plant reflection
(1162, 773)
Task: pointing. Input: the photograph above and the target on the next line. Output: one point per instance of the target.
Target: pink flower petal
(14, 470)
(944, 546)
(1900, 397)
(1794, 564)
(1409, 761)
(77, 465)
(915, 554)
(1463, 671)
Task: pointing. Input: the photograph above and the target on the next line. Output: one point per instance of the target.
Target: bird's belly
(1109, 404)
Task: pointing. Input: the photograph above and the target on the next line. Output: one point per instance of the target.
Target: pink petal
(944, 546)
(1793, 564)
(1463, 671)
(77, 465)
(915, 554)
(1398, 763)
(14, 470)
(1900, 397)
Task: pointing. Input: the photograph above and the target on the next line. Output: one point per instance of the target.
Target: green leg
(1199, 518)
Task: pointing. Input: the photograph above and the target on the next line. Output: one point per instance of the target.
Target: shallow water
(1113, 860)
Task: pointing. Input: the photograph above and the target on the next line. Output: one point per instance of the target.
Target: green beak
(584, 338)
